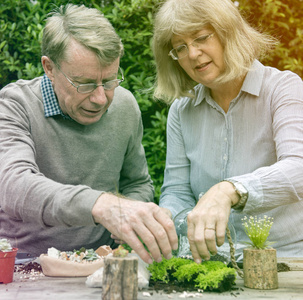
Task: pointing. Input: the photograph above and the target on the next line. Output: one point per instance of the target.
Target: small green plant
(5, 245)
(257, 229)
(210, 275)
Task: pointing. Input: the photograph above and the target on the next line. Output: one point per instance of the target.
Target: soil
(29, 268)
(174, 286)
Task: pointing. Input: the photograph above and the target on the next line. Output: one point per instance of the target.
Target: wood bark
(120, 278)
(260, 269)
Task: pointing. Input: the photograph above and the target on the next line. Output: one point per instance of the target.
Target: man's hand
(128, 220)
(207, 222)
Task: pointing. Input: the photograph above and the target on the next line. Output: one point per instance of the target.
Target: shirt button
(225, 157)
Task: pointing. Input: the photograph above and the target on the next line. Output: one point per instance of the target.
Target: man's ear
(48, 67)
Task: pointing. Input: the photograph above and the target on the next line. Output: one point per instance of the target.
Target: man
(69, 141)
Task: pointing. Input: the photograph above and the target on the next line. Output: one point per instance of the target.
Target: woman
(235, 133)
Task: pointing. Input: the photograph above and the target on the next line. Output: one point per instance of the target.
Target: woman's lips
(202, 67)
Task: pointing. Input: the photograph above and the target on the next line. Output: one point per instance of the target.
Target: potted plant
(259, 260)
(7, 261)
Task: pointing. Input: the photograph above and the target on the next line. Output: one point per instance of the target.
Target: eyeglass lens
(182, 50)
(108, 85)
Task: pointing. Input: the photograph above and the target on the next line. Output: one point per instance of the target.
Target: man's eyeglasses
(86, 88)
(182, 50)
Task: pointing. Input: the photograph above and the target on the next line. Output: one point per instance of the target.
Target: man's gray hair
(87, 26)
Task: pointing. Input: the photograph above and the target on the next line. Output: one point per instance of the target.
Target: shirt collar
(50, 102)
(252, 83)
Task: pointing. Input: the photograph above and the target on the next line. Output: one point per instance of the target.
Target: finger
(167, 211)
(149, 238)
(168, 225)
(119, 242)
(210, 239)
(133, 241)
(193, 246)
(116, 239)
(220, 233)
(158, 234)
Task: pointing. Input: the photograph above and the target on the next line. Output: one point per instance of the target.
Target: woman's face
(204, 61)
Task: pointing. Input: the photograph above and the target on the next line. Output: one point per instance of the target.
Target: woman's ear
(48, 67)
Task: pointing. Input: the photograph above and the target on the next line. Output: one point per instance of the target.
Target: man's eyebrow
(87, 79)
(80, 78)
(111, 77)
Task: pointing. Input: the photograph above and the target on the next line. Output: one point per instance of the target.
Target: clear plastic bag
(223, 253)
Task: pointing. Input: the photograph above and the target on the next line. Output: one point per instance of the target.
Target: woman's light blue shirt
(258, 142)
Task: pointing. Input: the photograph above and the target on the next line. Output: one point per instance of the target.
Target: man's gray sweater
(53, 169)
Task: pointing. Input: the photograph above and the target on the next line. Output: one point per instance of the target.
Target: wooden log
(120, 278)
(260, 269)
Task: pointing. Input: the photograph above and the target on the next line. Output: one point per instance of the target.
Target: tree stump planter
(120, 278)
(260, 269)
(7, 264)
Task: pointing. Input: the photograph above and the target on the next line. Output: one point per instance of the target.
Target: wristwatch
(241, 191)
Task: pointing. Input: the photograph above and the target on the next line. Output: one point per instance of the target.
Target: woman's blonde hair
(242, 43)
(87, 26)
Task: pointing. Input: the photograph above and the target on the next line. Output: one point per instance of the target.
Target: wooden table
(53, 288)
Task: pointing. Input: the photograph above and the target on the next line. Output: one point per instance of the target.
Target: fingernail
(169, 256)
(150, 261)
(159, 259)
(198, 261)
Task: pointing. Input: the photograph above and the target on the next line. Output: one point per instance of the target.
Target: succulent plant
(5, 245)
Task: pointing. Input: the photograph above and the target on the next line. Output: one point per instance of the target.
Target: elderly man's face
(81, 67)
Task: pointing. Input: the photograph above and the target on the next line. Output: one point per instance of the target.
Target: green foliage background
(21, 26)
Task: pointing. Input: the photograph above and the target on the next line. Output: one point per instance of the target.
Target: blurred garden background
(22, 21)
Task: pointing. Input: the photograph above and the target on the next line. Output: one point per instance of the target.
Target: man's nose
(98, 96)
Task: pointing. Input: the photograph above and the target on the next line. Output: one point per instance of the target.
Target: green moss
(164, 270)
(189, 272)
(210, 275)
(215, 278)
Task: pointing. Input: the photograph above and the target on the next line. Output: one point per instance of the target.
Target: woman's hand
(207, 222)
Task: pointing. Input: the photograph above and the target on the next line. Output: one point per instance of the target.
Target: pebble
(190, 295)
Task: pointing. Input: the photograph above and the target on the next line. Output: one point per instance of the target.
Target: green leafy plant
(257, 229)
(5, 245)
(21, 26)
(210, 275)
(282, 19)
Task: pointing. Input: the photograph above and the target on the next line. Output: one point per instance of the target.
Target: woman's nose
(194, 51)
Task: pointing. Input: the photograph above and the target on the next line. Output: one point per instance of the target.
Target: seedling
(257, 229)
